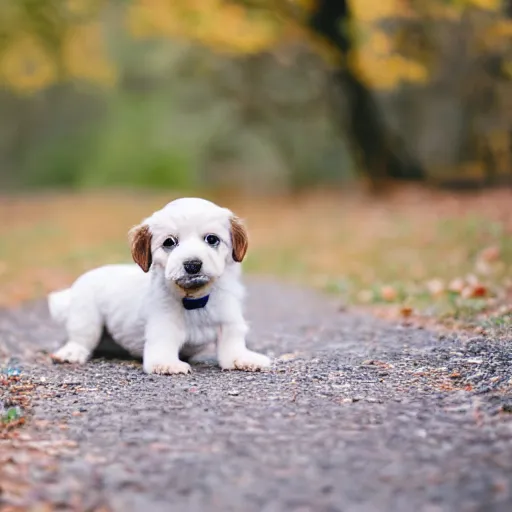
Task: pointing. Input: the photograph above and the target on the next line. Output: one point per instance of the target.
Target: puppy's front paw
(246, 360)
(168, 368)
(71, 353)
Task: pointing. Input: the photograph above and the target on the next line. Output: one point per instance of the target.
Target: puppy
(185, 293)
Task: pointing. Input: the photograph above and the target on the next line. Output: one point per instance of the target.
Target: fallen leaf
(435, 287)
(388, 293)
(406, 311)
(479, 291)
(474, 291)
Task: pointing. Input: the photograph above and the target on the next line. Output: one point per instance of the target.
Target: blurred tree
(372, 47)
(45, 41)
(379, 151)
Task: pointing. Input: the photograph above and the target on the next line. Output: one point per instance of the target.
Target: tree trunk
(378, 152)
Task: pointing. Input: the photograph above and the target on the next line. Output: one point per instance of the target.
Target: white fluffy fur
(143, 312)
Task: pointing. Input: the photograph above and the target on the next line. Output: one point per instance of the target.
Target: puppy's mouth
(191, 284)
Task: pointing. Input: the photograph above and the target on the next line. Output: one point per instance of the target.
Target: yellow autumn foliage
(152, 18)
(372, 10)
(80, 7)
(377, 62)
(507, 69)
(26, 66)
(225, 27)
(84, 54)
(488, 5)
(379, 43)
(497, 36)
(387, 72)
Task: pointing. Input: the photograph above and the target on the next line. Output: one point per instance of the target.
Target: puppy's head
(192, 240)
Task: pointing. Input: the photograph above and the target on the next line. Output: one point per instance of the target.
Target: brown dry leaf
(479, 290)
(474, 291)
(406, 311)
(435, 287)
(388, 293)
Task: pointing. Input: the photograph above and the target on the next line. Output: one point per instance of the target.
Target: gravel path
(356, 415)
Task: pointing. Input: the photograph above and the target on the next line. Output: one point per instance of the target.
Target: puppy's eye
(170, 242)
(212, 240)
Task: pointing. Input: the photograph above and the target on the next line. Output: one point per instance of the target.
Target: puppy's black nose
(192, 266)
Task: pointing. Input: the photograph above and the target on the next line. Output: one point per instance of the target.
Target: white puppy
(186, 293)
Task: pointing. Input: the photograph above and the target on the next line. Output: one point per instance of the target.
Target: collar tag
(190, 304)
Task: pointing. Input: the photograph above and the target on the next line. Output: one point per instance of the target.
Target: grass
(435, 254)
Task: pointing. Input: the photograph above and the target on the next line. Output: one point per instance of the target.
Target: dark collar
(190, 304)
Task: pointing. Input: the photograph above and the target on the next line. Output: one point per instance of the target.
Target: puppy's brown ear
(239, 239)
(141, 246)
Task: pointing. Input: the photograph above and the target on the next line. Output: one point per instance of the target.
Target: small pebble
(507, 407)
(233, 392)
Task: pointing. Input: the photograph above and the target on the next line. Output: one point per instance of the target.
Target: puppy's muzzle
(192, 283)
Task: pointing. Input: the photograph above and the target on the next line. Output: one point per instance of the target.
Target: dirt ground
(355, 415)
(442, 255)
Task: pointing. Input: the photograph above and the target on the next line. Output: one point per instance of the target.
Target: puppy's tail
(58, 304)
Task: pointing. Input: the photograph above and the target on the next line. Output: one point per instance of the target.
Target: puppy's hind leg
(84, 328)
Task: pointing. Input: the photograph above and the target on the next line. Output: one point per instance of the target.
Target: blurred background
(360, 139)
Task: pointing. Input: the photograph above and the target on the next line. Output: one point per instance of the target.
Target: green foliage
(128, 146)
(134, 147)
(58, 163)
